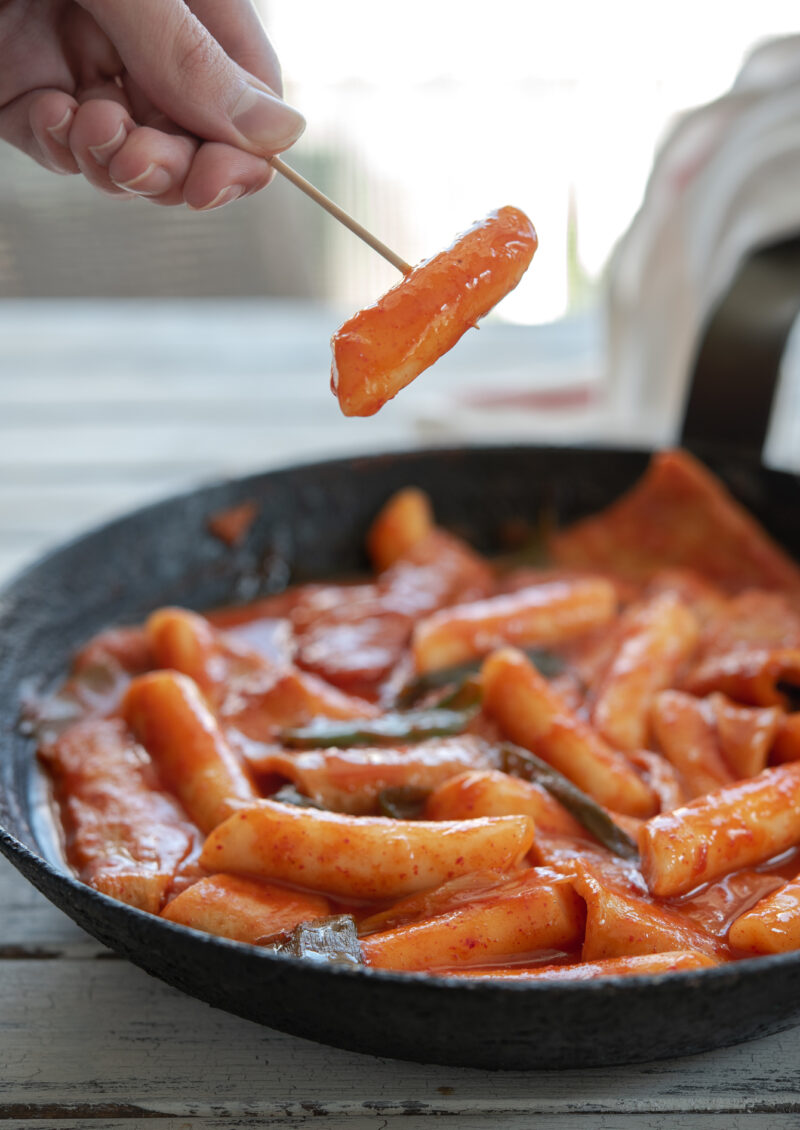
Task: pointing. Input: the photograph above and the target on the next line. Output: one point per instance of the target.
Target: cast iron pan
(312, 521)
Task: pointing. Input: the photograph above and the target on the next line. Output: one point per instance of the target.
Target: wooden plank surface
(113, 1116)
(103, 408)
(84, 1031)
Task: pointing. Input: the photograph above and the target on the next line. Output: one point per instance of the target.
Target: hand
(177, 102)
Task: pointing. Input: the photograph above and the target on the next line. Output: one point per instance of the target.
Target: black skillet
(311, 522)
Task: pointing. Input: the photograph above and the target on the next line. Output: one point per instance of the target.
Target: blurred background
(419, 123)
(143, 349)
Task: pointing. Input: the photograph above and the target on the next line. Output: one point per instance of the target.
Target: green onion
(411, 726)
(519, 762)
(546, 662)
(404, 802)
(288, 794)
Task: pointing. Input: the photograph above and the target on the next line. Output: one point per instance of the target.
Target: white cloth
(726, 181)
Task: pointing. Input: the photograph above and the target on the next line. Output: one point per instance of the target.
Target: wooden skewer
(343, 217)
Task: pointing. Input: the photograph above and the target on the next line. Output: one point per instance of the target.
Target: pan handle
(739, 357)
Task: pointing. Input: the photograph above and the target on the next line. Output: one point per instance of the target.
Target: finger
(187, 75)
(93, 58)
(221, 174)
(39, 124)
(153, 164)
(239, 31)
(99, 130)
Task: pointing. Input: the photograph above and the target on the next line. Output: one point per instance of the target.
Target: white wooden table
(102, 408)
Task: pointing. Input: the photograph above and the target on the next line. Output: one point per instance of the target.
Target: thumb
(185, 73)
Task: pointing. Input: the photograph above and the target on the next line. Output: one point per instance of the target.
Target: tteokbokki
(583, 766)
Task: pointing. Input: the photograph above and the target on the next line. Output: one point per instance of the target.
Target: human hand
(176, 102)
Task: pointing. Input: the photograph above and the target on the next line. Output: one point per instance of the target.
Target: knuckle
(196, 54)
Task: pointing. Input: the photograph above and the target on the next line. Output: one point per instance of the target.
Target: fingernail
(103, 153)
(267, 121)
(60, 132)
(223, 197)
(152, 182)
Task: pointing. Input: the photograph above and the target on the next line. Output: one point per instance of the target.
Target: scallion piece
(519, 762)
(545, 662)
(410, 726)
(405, 802)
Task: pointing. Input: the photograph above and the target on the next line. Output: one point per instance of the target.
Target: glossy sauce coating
(535, 716)
(544, 614)
(369, 857)
(739, 825)
(351, 780)
(123, 831)
(773, 926)
(231, 906)
(534, 912)
(186, 729)
(167, 714)
(385, 346)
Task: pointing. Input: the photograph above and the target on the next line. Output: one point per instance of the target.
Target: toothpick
(343, 217)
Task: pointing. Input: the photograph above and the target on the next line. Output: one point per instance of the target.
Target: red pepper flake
(231, 525)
